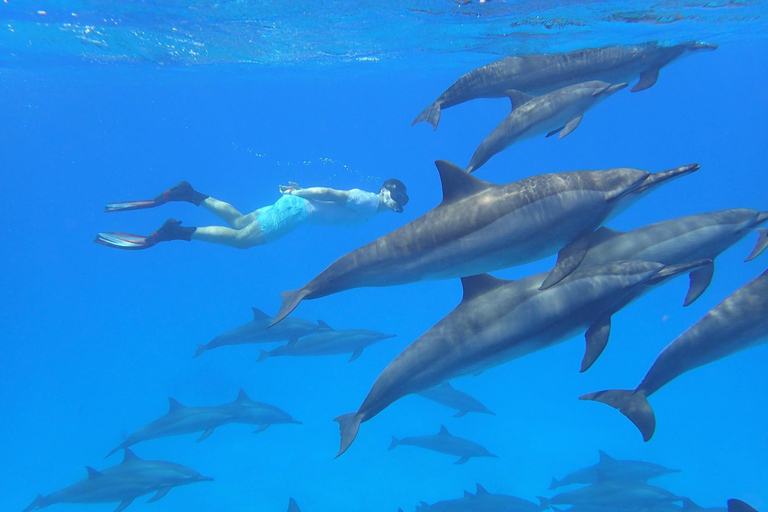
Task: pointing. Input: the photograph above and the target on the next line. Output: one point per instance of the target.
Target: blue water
(95, 340)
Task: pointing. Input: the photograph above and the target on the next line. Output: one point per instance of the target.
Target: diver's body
(297, 206)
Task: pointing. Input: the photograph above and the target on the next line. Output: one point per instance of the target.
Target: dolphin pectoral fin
(597, 338)
(700, 279)
(460, 414)
(349, 424)
(647, 79)
(568, 259)
(262, 428)
(518, 98)
(632, 404)
(555, 132)
(206, 434)
(162, 492)
(123, 505)
(291, 299)
(570, 126)
(431, 115)
(462, 460)
(739, 506)
(760, 245)
(355, 355)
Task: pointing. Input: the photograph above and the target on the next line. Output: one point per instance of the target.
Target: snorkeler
(297, 206)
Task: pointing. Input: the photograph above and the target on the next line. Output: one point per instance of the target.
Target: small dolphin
(444, 442)
(480, 227)
(256, 331)
(609, 469)
(245, 410)
(329, 342)
(739, 506)
(499, 320)
(680, 240)
(447, 395)
(177, 421)
(293, 506)
(615, 494)
(738, 323)
(484, 501)
(531, 116)
(123, 483)
(543, 73)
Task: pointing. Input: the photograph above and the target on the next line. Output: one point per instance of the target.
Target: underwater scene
(419, 255)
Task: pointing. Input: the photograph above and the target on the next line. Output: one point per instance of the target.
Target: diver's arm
(317, 193)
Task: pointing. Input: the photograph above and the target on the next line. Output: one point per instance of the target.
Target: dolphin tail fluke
(632, 404)
(554, 484)
(115, 449)
(291, 299)
(739, 506)
(544, 503)
(431, 114)
(762, 243)
(263, 354)
(200, 349)
(699, 282)
(38, 503)
(349, 424)
(394, 443)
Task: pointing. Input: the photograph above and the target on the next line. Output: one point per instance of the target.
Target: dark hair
(396, 191)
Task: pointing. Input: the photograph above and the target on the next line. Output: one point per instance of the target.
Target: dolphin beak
(205, 479)
(295, 422)
(658, 178)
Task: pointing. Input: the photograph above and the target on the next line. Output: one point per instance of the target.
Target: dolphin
(293, 506)
(616, 494)
(329, 341)
(444, 442)
(245, 410)
(484, 501)
(609, 469)
(558, 111)
(739, 506)
(256, 331)
(123, 483)
(543, 73)
(447, 395)
(690, 506)
(480, 227)
(177, 421)
(499, 320)
(738, 323)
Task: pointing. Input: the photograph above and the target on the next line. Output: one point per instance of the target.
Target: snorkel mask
(394, 196)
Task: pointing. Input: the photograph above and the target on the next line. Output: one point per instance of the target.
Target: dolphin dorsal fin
(174, 405)
(479, 284)
(481, 490)
(518, 98)
(604, 457)
(603, 234)
(260, 315)
(242, 396)
(458, 184)
(93, 473)
(293, 506)
(468, 494)
(324, 325)
(443, 431)
(446, 385)
(129, 456)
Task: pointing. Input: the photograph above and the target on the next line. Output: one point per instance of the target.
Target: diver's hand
(288, 189)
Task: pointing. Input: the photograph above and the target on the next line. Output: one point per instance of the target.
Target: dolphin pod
(123, 483)
(558, 111)
(480, 227)
(543, 73)
(738, 323)
(256, 331)
(499, 320)
(187, 420)
(444, 442)
(614, 470)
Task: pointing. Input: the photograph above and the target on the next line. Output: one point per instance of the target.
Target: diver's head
(393, 194)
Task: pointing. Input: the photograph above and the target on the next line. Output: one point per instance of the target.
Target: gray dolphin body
(613, 470)
(500, 320)
(178, 420)
(558, 111)
(615, 494)
(256, 331)
(245, 410)
(542, 73)
(328, 342)
(123, 483)
(447, 395)
(738, 323)
(484, 501)
(444, 442)
(480, 227)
